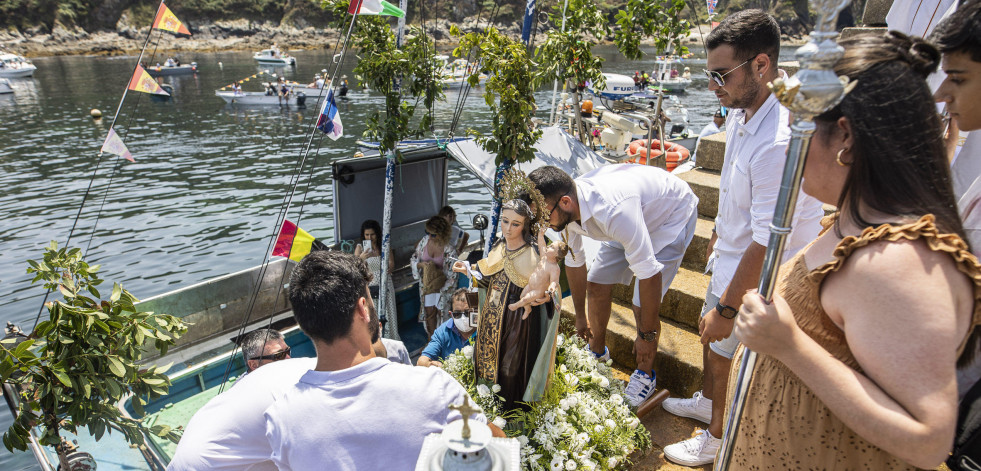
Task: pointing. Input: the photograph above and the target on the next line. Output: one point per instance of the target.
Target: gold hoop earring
(838, 158)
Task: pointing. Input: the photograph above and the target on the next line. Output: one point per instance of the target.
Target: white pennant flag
(114, 145)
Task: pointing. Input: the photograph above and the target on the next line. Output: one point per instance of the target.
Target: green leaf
(62, 377)
(117, 291)
(116, 367)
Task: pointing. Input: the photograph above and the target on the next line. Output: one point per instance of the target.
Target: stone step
(682, 303)
(679, 358)
(705, 184)
(695, 255)
(711, 151)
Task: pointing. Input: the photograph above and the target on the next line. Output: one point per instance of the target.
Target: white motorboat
(456, 73)
(14, 66)
(5, 87)
(182, 69)
(668, 77)
(262, 99)
(274, 57)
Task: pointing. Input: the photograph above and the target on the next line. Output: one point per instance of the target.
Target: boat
(668, 77)
(182, 69)
(5, 87)
(273, 56)
(457, 72)
(14, 66)
(298, 99)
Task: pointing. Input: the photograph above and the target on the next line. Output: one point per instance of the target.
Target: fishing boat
(274, 57)
(457, 72)
(182, 69)
(223, 308)
(5, 87)
(14, 66)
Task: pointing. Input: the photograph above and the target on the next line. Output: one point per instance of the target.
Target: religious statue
(515, 352)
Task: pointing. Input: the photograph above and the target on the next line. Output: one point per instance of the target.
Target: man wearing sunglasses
(263, 346)
(452, 335)
(742, 57)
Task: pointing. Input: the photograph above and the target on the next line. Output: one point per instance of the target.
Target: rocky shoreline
(218, 36)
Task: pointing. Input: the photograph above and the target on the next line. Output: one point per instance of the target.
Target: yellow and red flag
(143, 82)
(295, 243)
(167, 21)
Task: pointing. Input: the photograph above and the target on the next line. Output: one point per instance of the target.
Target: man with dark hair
(742, 59)
(959, 38)
(350, 389)
(452, 335)
(645, 218)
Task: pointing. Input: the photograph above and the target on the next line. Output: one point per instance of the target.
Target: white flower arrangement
(581, 422)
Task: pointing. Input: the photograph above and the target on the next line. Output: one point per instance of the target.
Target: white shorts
(611, 266)
(431, 300)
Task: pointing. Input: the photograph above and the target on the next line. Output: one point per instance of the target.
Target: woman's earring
(838, 158)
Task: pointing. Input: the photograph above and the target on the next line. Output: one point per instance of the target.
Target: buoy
(95, 113)
(676, 153)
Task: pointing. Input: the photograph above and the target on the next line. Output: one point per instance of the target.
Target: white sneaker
(697, 407)
(639, 388)
(605, 357)
(696, 451)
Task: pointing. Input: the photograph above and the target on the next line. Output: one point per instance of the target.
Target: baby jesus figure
(544, 281)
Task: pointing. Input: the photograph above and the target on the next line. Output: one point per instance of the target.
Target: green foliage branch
(80, 362)
(660, 21)
(509, 93)
(567, 54)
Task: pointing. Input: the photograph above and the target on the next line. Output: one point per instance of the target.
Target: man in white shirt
(715, 127)
(228, 433)
(343, 414)
(645, 217)
(742, 59)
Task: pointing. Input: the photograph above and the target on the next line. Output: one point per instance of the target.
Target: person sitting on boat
(370, 251)
(316, 80)
(393, 350)
(674, 73)
(686, 74)
(431, 267)
(637, 80)
(645, 79)
(350, 390)
(343, 86)
(169, 62)
(263, 346)
(645, 218)
(714, 127)
(510, 351)
(458, 237)
(271, 89)
(237, 88)
(451, 335)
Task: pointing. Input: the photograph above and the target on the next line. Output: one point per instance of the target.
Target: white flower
(563, 369)
(612, 462)
(496, 388)
(571, 465)
(633, 423)
(571, 379)
(598, 429)
(483, 390)
(500, 423)
(560, 339)
(610, 423)
(523, 440)
(616, 399)
(564, 404)
(557, 463)
(467, 351)
(604, 383)
(573, 400)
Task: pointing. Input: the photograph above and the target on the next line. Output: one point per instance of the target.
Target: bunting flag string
(114, 145)
(143, 82)
(167, 21)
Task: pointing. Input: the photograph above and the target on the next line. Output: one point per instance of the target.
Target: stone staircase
(679, 359)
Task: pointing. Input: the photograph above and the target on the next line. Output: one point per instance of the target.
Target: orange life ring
(676, 153)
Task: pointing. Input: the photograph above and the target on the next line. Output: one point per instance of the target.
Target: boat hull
(179, 70)
(275, 62)
(5, 87)
(261, 99)
(18, 72)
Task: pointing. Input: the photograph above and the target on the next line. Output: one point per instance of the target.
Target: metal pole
(386, 232)
(814, 89)
(555, 85)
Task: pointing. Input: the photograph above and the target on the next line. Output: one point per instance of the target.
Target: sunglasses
(459, 314)
(280, 355)
(718, 78)
(557, 204)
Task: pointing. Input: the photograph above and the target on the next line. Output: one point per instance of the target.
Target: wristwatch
(647, 336)
(723, 309)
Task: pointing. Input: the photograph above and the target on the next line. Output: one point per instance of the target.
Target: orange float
(676, 153)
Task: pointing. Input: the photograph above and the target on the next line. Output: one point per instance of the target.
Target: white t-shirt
(372, 416)
(396, 351)
(229, 431)
(642, 208)
(756, 152)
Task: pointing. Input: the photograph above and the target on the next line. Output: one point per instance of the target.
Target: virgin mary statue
(516, 353)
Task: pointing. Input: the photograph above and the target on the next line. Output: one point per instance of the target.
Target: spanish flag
(167, 21)
(143, 82)
(295, 243)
